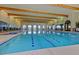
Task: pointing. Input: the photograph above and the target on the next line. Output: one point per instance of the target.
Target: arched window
(67, 25)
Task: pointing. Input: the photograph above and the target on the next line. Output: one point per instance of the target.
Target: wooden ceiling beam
(11, 14)
(65, 6)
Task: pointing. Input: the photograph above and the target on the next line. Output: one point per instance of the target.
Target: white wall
(73, 17)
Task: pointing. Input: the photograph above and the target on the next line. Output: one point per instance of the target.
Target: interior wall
(4, 16)
(15, 22)
(74, 17)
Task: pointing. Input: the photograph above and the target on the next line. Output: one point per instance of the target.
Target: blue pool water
(28, 42)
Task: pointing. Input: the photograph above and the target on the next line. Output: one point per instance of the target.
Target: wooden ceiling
(38, 12)
(40, 19)
(32, 17)
(30, 10)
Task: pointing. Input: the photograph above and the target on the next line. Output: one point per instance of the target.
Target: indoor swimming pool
(36, 41)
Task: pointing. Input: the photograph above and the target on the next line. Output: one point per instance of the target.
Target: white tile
(66, 50)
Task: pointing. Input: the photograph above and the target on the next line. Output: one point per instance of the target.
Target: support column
(65, 18)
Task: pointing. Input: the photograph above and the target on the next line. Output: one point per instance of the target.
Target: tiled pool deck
(4, 38)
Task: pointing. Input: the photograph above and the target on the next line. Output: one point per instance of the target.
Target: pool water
(29, 42)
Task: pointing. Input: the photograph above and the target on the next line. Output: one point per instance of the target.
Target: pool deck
(65, 50)
(4, 38)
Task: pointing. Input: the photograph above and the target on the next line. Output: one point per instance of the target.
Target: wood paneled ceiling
(28, 16)
(38, 11)
(30, 10)
(37, 18)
